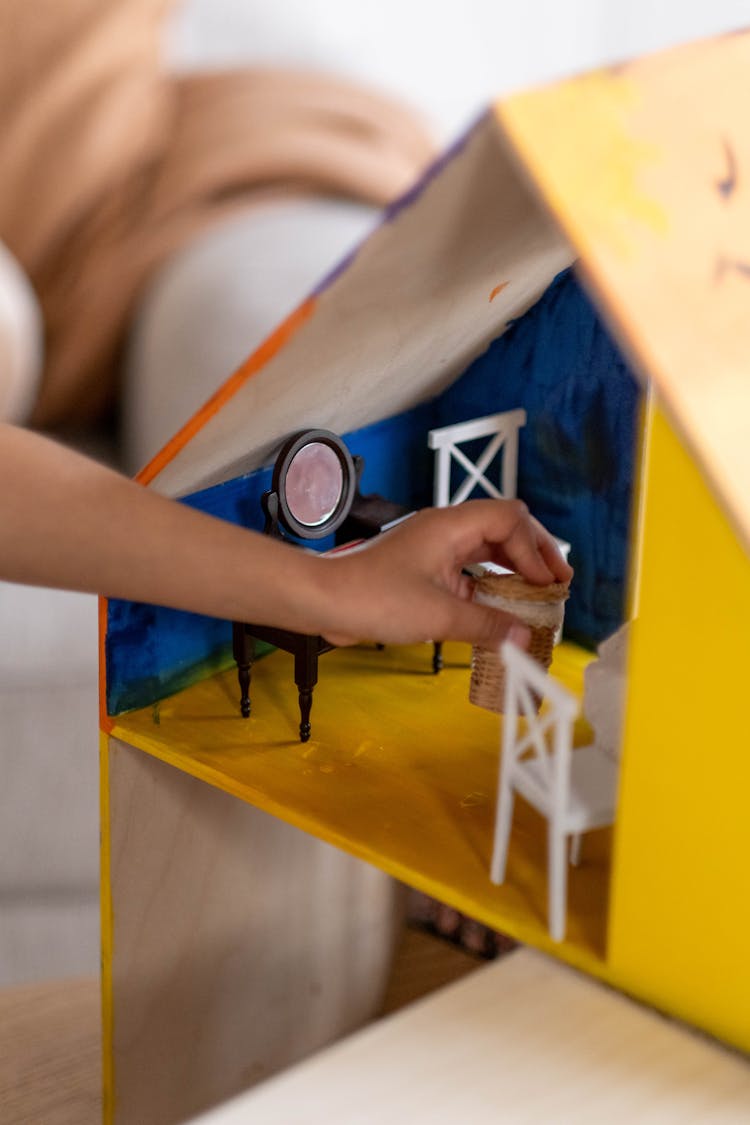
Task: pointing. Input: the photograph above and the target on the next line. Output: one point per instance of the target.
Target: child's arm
(69, 522)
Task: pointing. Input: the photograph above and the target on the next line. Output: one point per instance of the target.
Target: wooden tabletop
(523, 1040)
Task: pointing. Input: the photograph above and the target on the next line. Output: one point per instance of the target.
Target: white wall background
(447, 57)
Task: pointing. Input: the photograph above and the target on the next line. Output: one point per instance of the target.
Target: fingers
(341, 640)
(486, 627)
(453, 619)
(509, 535)
(552, 554)
(523, 549)
(415, 588)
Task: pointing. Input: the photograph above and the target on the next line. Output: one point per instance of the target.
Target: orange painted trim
(105, 721)
(258, 360)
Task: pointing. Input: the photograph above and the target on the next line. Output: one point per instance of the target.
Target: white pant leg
(217, 300)
(21, 344)
(49, 802)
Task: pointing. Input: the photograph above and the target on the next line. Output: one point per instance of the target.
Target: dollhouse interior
(401, 769)
(466, 302)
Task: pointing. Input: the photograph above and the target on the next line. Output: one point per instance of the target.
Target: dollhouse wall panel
(212, 985)
(680, 900)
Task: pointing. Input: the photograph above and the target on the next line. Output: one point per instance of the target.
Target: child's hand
(408, 585)
(75, 524)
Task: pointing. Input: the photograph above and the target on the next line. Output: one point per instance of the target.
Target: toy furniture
(605, 692)
(369, 514)
(312, 492)
(500, 454)
(502, 429)
(648, 200)
(315, 491)
(575, 791)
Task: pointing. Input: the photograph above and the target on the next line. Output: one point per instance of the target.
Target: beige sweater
(109, 164)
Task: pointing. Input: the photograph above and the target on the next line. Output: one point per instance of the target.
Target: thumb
(488, 628)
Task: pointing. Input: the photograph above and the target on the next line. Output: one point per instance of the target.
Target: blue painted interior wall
(152, 652)
(576, 458)
(576, 469)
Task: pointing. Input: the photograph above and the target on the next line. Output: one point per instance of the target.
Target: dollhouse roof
(638, 171)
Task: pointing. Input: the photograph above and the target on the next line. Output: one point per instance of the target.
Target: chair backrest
(546, 736)
(502, 429)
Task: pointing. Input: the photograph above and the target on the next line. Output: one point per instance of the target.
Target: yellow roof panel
(645, 166)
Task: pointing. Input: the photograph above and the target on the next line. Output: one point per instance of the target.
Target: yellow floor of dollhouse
(401, 770)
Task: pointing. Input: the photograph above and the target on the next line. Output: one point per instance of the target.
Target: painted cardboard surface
(576, 467)
(680, 911)
(645, 167)
(391, 328)
(640, 172)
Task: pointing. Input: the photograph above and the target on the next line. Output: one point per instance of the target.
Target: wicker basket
(541, 608)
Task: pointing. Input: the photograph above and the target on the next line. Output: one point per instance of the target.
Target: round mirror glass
(314, 483)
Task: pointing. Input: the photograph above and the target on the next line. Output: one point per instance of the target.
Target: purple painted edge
(409, 197)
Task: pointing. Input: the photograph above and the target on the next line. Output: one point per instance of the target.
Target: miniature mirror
(314, 483)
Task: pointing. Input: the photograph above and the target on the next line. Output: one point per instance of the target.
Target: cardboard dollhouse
(461, 302)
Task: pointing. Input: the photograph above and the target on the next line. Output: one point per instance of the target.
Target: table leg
(306, 677)
(243, 648)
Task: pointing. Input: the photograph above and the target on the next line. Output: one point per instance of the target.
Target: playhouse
(582, 255)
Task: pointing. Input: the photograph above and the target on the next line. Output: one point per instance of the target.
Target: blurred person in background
(111, 164)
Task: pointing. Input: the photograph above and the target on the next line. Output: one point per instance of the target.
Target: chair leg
(306, 677)
(575, 849)
(558, 882)
(243, 648)
(437, 657)
(503, 821)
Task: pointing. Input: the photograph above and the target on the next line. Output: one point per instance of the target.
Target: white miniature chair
(502, 429)
(575, 790)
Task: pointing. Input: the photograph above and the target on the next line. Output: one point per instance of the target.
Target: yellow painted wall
(680, 909)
